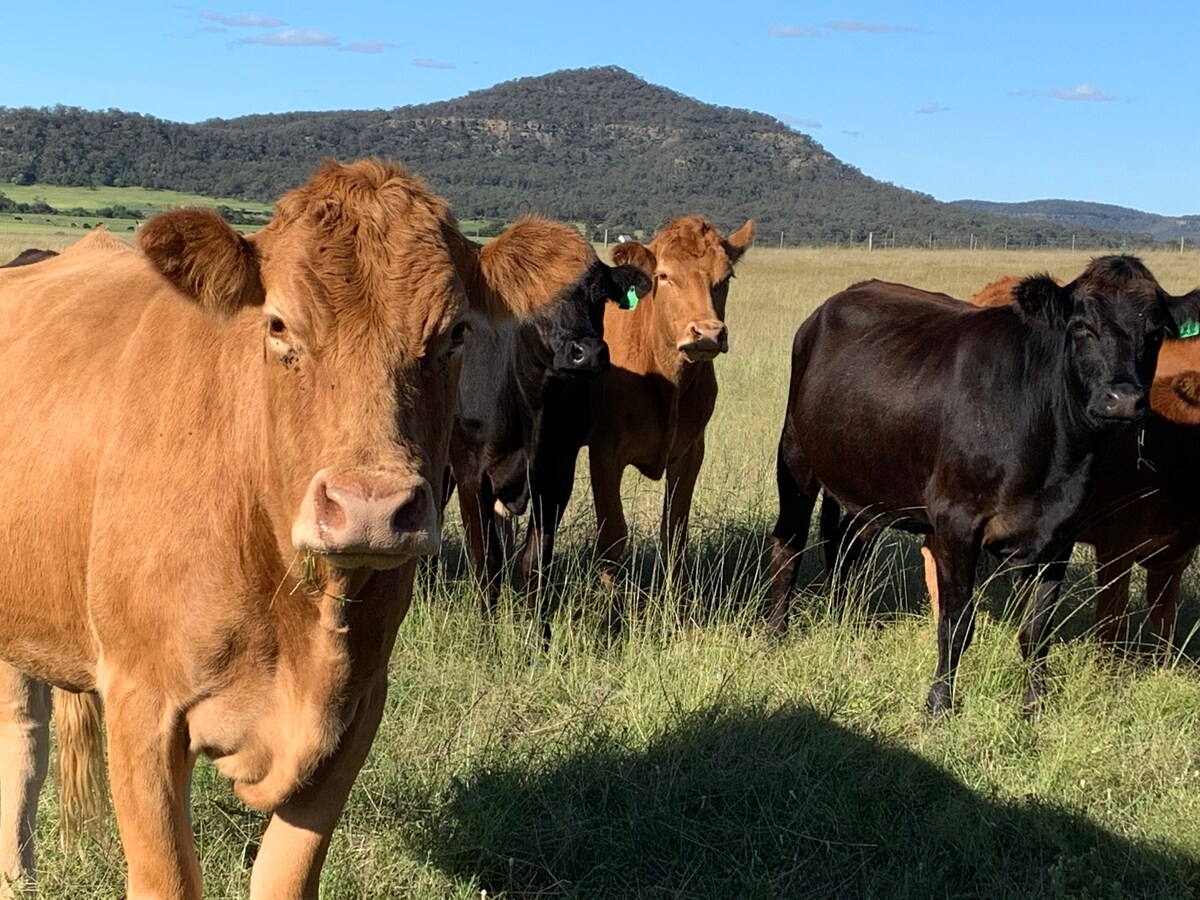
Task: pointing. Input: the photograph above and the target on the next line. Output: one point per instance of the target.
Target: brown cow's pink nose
(704, 340)
(372, 521)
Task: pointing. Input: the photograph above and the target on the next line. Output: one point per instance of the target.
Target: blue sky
(998, 101)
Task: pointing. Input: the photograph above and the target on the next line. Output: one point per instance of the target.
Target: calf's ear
(631, 278)
(533, 263)
(1185, 315)
(206, 260)
(739, 242)
(1041, 299)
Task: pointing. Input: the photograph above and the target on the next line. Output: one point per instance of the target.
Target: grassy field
(49, 227)
(699, 761)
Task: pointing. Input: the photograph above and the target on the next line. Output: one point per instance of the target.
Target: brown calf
(200, 470)
(650, 409)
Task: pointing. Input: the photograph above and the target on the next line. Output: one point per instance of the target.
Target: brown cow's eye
(277, 328)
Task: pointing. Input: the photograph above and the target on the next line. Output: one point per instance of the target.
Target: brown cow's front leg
(677, 507)
(954, 549)
(1033, 637)
(288, 865)
(612, 535)
(150, 772)
(24, 757)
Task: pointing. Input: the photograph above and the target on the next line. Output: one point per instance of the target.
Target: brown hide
(650, 409)
(202, 469)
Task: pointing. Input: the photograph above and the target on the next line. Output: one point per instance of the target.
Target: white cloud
(851, 26)
(792, 31)
(1084, 91)
(367, 47)
(292, 37)
(797, 122)
(933, 109)
(433, 64)
(852, 134)
(242, 21)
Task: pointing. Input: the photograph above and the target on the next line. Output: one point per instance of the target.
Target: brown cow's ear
(1041, 299)
(631, 253)
(739, 242)
(204, 258)
(528, 266)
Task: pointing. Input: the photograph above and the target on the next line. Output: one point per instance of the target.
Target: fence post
(870, 241)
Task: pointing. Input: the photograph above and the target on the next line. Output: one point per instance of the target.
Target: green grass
(46, 227)
(148, 200)
(668, 760)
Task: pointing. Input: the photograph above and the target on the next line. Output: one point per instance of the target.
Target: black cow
(28, 257)
(975, 427)
(522, 416)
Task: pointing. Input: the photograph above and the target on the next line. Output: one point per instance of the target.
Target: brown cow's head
(1113, 318)
(691, 265)
(355, 298)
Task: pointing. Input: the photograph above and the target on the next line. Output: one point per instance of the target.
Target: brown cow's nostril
(411, 515)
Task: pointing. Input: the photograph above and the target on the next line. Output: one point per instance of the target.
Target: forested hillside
(596, 146)
(1081, 214)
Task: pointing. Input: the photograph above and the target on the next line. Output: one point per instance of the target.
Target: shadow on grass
(737, 803)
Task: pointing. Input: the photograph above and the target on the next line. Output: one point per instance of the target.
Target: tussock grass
(671, 751)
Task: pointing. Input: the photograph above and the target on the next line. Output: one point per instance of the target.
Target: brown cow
(1146, 506)
(193, 492)
(650, 409)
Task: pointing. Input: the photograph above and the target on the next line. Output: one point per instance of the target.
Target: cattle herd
(212, 442)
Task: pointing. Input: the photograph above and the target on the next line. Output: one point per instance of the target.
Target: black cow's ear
(1185, 315)
(631, 278)
(1041, 299)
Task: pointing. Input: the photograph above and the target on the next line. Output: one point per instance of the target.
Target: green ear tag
(630, 301)
(1189, 328)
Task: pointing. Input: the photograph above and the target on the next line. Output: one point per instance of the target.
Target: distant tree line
(599, 147)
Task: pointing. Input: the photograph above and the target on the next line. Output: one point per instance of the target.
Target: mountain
(1081, 214)
(597, 146)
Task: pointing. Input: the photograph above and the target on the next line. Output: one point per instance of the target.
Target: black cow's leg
(798, 491)
(953, 550)
(833, 530)
(1034, 639)
(483, 541)
(548, 500)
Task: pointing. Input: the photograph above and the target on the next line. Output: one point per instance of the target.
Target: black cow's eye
(277, 328)
(458, 334)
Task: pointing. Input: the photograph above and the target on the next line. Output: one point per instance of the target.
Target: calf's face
(573, 327)
(1113, 318)
(692, 266)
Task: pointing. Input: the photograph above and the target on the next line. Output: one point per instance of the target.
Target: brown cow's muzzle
(367, 521)
(705, 340)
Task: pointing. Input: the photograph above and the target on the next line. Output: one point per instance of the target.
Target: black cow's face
(573, 329)
(1114, 317)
